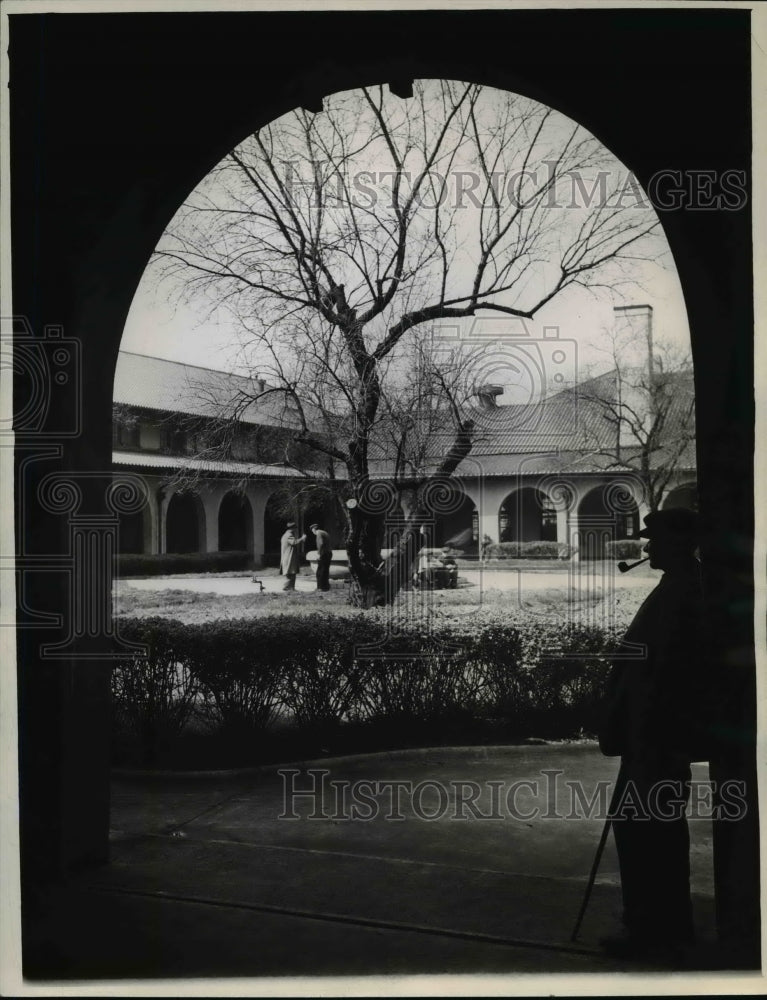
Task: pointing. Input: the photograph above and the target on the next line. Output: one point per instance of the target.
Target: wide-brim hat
(678, 522)
(313, 526)
(290, 524)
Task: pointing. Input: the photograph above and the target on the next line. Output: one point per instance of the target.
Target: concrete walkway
(414, 862)
(592, 576)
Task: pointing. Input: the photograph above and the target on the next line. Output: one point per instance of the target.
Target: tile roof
(143, 460)
(567, 432)
(173, 387)
(563, 433)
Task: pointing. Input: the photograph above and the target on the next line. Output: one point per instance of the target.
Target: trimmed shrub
(529, 550)
(426, 678)
(127, 564)
(327, 671)
(154, 693)
(564, 685)
(625, 548)
(324, 677)
(497, 651)
(241, 683)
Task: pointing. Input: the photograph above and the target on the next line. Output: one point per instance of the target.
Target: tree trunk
(375, 581)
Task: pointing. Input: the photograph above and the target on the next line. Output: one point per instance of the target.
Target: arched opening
(184, 522)
(131, 537)
(607, 513)
(685, 495)
(235, 524)
(454, 523)
(275, 518)
(723, 367)
(527, 515)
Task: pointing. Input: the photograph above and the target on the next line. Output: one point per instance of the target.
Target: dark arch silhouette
(132, 528)
(527, 515)
(457, 527)
(184, 524)
(235, 524)
(275, 520)
(105, 183)
(605, 513)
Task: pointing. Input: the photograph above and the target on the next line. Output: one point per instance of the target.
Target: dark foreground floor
(211, 876)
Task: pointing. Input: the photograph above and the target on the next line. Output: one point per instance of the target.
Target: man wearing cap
(324, 555)
(654, 721)
(290, 555)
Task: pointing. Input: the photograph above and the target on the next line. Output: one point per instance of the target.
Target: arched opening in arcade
(235, 524)
(607, 513)
(185, 524)
(527, 515)
(275, 520)
(455, 524)
(132, 538)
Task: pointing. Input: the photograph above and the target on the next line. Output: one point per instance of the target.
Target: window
(548, 519)
(125, 436)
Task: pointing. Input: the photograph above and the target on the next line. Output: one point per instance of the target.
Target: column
(258, 496)
(210, 499)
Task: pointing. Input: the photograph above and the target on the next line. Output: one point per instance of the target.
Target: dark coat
(323, 544)
(656, 708)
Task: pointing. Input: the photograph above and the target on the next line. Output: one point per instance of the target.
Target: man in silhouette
(654, 720)
(324, 556)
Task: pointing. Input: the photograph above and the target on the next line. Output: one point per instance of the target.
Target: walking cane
(597, 857)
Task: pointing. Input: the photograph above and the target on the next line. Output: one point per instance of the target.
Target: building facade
(572, 470)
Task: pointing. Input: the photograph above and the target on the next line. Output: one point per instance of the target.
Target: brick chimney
(487, 395)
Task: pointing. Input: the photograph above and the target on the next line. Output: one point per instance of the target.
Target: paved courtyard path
(470, 860)
(602, 576)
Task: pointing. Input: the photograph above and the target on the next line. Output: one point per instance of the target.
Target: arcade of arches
(218, 518)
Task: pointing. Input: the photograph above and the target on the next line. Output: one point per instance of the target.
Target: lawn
(546, 603)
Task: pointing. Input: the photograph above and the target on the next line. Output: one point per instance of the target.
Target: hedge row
(319, 671)
(529, 550)
(626, 548)
(128, 564)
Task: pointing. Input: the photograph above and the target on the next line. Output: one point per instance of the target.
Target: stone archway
(527, 515)
(132, 533)
(274, 527)
(459, 528)
(120, 206)
(184, 524)
(235, 524)
(608, 512)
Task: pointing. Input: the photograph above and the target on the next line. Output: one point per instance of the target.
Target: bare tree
(337, 239)
(645, 416)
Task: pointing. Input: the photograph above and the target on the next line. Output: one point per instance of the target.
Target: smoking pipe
(624, 567)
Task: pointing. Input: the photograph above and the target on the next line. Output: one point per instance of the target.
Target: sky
(579, 319)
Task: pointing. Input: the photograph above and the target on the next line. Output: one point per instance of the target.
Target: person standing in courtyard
(655, 721)
(291, 555)
(324, 556)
